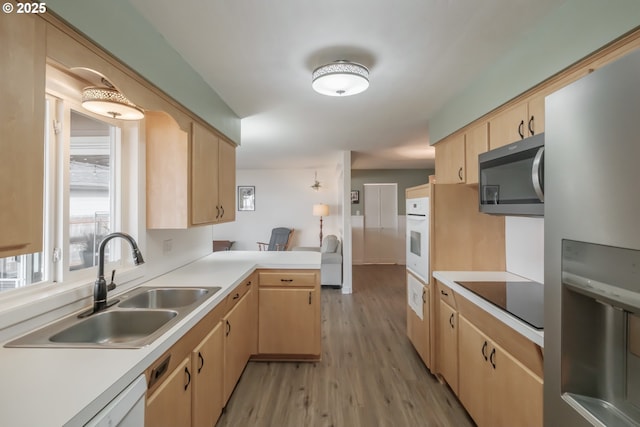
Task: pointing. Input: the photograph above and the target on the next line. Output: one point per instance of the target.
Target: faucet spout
(100, 286)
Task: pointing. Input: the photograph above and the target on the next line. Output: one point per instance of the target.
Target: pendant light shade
(110, 103)
(340, 78)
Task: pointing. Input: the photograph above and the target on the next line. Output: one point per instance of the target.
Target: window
(83, 202)
(92, 199)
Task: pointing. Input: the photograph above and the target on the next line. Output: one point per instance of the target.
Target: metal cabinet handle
(444, 293)
(484, 351)
(222, 209)
(228, 328)
(186, 371)
(521, 129)
(530, 126)
(249, 283)
(201, 362)
(451, 321)
(309, 298)
(460, 173)
(218, 210)
(286, 280)
(424, 295)
(537, 174)
(236, 296)
(492, 358)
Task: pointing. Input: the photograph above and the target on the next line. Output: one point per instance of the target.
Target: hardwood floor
(369, 375)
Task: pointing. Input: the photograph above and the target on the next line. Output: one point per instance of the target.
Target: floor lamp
(320, 210)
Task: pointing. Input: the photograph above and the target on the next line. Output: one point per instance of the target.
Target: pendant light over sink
(340, 78)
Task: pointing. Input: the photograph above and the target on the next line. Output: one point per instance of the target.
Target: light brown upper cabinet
(477, 141)
(190, 175)
(450, 160)
(226, 181)
(518, 122)
(22, 91)
(457, 156)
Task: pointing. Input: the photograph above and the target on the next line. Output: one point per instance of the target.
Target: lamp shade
(320, 210)
(110, 103)
(340, 78)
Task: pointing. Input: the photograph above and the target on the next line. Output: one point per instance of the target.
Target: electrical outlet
(167, 246)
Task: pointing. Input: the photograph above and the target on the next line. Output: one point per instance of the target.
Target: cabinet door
(237, 346)
(517, 393)
(207, 368)
(296, 311)
(535, 124)
(22, 91)
(450, 160)
(227, 181)
(509, 126)
(448, 342)
(170, 404)
(474, 370)
(477, 141)
(204, 176)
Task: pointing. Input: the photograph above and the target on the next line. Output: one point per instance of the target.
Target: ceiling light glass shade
(340, 78)
(110, 103)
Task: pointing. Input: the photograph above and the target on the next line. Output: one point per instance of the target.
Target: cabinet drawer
(302, 278)
(239, 292)
(446, 295)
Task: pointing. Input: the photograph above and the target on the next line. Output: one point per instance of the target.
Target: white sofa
(331, 261)
(331, 264)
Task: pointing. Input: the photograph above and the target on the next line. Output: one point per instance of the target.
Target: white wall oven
(418, 237)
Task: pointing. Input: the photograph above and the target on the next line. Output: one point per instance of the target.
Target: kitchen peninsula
(72, 385)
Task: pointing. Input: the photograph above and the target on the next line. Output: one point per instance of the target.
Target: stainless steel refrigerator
(592, 249)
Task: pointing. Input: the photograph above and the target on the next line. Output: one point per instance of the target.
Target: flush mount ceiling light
(110, 103)
(340, 78)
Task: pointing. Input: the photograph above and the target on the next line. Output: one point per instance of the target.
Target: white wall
(284, 198)
(524, 240)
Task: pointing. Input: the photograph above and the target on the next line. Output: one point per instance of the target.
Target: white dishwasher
(126, 410)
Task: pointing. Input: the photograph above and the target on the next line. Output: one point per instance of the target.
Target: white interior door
(380, 223)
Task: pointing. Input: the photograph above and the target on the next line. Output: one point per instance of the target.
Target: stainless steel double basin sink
(139, 318)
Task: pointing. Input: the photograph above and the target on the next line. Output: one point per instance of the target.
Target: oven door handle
(537, 174)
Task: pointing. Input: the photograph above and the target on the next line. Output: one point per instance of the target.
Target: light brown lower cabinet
(494, 387)
(290, 310)
(170, 404)
(191, 383)
(448, 345)
(208, 371)
(238, 333)
(191, 395)
(289, 315)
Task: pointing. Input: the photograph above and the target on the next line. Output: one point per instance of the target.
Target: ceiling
(259, 55)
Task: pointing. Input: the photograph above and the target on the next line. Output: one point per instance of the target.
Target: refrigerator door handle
(536, 175)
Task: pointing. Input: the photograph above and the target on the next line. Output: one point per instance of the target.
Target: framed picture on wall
(246, 198)
(355, 197)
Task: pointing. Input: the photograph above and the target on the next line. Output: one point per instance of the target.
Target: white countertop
(449, 278)
(59, 386)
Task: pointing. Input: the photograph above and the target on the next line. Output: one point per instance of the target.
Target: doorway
(381, 240)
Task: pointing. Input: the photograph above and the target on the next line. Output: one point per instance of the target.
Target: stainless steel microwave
(511, 178)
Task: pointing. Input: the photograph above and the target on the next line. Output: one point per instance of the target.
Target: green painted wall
(121, 30)
(405, 178)
(572, 31)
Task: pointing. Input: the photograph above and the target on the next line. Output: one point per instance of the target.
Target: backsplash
(524, 241)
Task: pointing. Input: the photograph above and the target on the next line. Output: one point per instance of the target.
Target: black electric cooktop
(524, 300)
